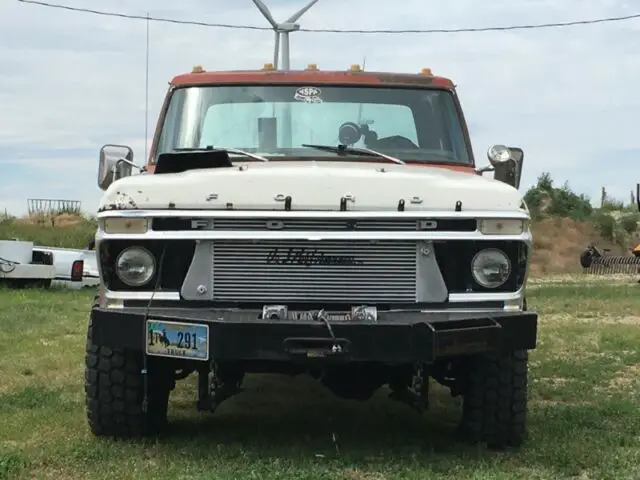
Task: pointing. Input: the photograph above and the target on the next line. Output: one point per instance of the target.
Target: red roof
(310, 76)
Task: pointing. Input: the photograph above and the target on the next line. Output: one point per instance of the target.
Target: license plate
(178, 340)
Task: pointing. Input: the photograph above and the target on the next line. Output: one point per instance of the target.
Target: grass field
(584, 415)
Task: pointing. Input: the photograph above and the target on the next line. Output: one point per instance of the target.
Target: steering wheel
(350, 133)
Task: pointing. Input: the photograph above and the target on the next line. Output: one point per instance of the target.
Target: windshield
(271, 121)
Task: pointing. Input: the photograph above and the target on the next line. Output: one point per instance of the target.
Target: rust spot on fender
(122, 202)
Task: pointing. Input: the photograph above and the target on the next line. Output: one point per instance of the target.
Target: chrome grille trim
(306, 235)
(388, 273)
(320, 224)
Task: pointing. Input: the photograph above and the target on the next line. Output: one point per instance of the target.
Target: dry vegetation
(557, 243)
(61, 230)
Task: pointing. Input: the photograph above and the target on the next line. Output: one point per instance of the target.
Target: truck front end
(339, 230)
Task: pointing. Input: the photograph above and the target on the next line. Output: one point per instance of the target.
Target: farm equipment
(596, 261)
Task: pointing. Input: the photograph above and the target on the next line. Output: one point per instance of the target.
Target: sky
(72, 82)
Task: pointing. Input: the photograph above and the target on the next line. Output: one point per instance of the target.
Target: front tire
(114, 391)
(495, 400)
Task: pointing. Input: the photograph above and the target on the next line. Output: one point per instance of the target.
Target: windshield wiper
(226, 149)
(345, 150)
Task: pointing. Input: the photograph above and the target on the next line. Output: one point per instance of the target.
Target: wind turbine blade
(299, 13)
(265, 11)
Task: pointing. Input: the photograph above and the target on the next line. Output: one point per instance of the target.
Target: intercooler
(353, 271)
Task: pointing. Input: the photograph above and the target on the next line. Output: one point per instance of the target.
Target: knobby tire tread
(114, 390)
(495, 400)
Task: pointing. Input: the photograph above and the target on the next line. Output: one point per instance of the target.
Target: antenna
(146, 96)
(364, 62)
(283, 29)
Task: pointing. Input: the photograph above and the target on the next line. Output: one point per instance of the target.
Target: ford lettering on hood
(315, 186)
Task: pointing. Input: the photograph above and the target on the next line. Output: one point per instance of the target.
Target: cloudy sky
(71, 82)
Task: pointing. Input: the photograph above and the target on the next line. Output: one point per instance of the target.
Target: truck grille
(359, 271)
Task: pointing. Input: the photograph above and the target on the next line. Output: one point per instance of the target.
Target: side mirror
(506, 164)
(116, 162)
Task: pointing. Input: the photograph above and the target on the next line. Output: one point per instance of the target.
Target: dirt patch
(603, 320)
(558, 242)
(554, 381)
(626, 379)
(357, 474)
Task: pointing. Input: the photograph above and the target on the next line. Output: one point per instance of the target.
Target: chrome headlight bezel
(498, 257)
(144, 255)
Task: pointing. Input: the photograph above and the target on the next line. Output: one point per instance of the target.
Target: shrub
(629, 221)
(543, 199)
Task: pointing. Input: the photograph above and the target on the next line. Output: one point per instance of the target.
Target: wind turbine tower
(283, 30)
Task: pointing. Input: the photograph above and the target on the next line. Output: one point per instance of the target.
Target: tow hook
(415, 395)
(212, 391)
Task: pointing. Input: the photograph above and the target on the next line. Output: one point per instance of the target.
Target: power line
(333, 30)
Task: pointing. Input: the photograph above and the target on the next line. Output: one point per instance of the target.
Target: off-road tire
(494, 408)
(114, 390)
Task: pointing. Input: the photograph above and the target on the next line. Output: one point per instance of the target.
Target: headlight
(135, 266)
(498, 154)
(125, 225)
(502, 227)
(490, 267)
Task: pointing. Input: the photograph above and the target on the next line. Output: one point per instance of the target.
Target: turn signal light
(125, 225)
(502, 226)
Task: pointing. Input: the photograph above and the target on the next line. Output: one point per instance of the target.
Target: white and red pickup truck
(68, 275)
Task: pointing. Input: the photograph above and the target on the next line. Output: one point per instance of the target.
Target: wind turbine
(283, 29)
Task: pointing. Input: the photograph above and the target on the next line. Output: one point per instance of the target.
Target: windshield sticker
(308, 95)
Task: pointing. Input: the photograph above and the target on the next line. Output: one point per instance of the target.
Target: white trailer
(21, 265)
(25, 264)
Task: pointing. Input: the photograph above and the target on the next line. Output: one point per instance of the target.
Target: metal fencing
(49, 206)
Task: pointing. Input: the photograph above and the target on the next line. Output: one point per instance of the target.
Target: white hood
(313, 186)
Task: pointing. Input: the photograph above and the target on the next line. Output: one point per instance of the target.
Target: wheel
(586, 258)
(114, 391)
(494, 408)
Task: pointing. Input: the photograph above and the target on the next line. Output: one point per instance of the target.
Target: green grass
(67, 236)
(584, 422)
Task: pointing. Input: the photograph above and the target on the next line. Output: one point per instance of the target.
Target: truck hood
(312, 186)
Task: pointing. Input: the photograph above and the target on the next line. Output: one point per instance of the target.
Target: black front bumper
(396, 337)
